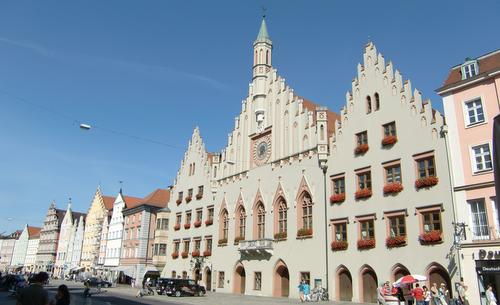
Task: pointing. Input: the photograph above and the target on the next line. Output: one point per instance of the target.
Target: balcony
(260, 246)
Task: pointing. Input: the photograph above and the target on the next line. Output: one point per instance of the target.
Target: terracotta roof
(108, 202)
(131, 201)
(158, 198)
(33, 232)
(487, 63)
(330, 115)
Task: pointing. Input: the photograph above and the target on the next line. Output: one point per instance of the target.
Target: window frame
(423, 157)
(474, 164)
(368, 182)
(387, 127)
(338, 179)
(466, 116)
(257, 281)
(467, 74)
(344, 233)
(471, 219)
(361, 138)
(391, 165)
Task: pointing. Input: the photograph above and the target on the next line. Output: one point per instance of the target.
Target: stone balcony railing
(256, 246)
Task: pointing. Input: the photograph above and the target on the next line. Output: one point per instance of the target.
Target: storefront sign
(483, 254)
(488, 266)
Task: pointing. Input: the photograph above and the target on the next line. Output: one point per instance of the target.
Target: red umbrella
(409, 279)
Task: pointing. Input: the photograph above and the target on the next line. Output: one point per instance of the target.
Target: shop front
(488, 272)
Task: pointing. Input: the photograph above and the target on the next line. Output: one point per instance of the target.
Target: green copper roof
(263, 35)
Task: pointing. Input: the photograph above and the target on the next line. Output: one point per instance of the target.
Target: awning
(127, 270)
(150, 269)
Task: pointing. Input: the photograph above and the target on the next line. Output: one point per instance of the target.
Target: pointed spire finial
(263, 34)
(264, 9)
(121, 185)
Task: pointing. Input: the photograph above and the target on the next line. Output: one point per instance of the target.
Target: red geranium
(222, 241)
(178, 201)
(189, 198)
(393, 188)
(339, 245)
(197, 224)
(177, 227)
(426, 182)
(337, 198)
(207, 253)
(389, 140)
(304, 232)
(366, 243)
(199, 196)
(209, 222)
(187, 226)
(361, 149)
(430, 237)
(175, 255)
(363, 193)
(396, 241)
(195, 253)
(184, 254)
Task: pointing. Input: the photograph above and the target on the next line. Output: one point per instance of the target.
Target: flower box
(195, 253)
(304, 232)
(177, 227)
(364, 244)
(187, 226)
(209, 222)
(393, 188)
(280, 235)
(184, 254)
(189, 198)
(361, 149)
(222, 242)
(339, 245)
(395, 241)
(426, 182)
(199, 196)
(389, 140)
(207, 253)
(175, 255)
(238, 239)
(178, 201)
(364, 193)
(432, 237)
(197, 224)
(337, 198)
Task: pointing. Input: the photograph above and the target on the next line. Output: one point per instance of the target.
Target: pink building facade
(471, 102)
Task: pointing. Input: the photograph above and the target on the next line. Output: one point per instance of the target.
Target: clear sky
(157, 69)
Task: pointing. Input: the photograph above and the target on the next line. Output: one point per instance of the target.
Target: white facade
(67, 229)
(78, 242)
(20, 247)
(115, 234)
(29, 262)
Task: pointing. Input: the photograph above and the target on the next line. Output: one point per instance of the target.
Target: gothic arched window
(261, 221)
(241, 219)
(282, 217)
(368, 104)
(377, 101)
(307, 208)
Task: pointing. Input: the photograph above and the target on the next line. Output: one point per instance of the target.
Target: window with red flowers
(397, 226)
(338, 193)
(431, 221)
(426, 167)
(364, 187)
(178, 218)
(367, 229)
(176, 246)
(188, 217)
(186, 246)
(340, 231)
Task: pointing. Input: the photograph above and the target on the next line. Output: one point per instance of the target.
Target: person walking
(307, 292)
(86, 290)
(461, 291)
(418, 294)
(62, 297)
(427, 295)
(435, 294)
(34, 294)
(301, 291)
(490, 296)
(443, 293)
(381, 291)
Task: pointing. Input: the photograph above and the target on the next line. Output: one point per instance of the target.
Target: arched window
(307, 216)
(241, 219)
(267, 57)
(322, 132)
(215, 171)
(368, 104)
(261, 221)
(255, 59)
(260, 57)
(224, 224)
(377, 101)
(282, 217)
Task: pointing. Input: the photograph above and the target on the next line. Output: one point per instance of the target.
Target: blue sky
(157, 69)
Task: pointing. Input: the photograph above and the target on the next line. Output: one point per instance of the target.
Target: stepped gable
(331, 116)
(196, 145)
(374, 66)
(33, 232)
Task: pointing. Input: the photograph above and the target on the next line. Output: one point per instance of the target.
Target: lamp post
(324, 168)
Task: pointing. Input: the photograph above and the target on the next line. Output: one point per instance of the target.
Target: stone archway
(208, 279)
(344, 284)
(239, 281)
(368, 285)
(281, 280)
(438, 274)
(398, 271)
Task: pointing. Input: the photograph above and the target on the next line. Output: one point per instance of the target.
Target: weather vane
(264, 12)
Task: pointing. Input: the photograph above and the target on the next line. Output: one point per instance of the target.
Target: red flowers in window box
(177, 227)
(222, 242)
(426, 182)
(337, 198)
(304, 232)
(393, 188)
(363, 193)
(189, 198)
(195, 253)
(361, 149)
(364, 244)
(184, 254)
(339, 245)
(199, 196)
(175, 255)
(389, 140)
(187, 226)
(280, 235)
(209, 222)
(207, 253)
(197, 224)
(178, 201)
(395, 241)
(431, 237)
(238, 239)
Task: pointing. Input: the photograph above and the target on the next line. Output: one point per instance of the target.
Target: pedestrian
(34, 294)
(86, 290)
(418, 294)
(307, 292)
(301, 291)
(381, 291)
(427, 295)
(490, 296)
(443, 293)
(435, 294)
(62, 296)
(462, 292)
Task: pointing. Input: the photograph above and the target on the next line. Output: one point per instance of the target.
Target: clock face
(262, 150)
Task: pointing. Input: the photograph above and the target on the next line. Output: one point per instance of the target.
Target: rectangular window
(177, 246)
(197, 245)
(220, 282)
(474, 112)
(393, 174)
(432, 221)
(164, 224)
(306, 276)
(200, 190)
(494, 209)
(364, 180)
(426, 167)
(469, 70)
(339, 185)
(162, 251)
(190, 193)
(210, 213)
(199, 215)
(481, 158)
(188, 217)
(362, 138)
(390, 129)
(208, 244)
(186, 245)
(158, 224)
(180, 196)
(178, 218)
(479, 219)
(340, 231)
(367, 229)
(257, 283)
(397, 226)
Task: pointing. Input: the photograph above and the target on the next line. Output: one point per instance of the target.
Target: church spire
(263, 34)
(262, 49)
